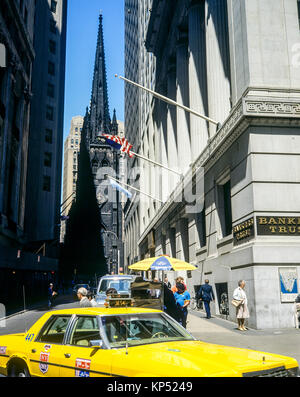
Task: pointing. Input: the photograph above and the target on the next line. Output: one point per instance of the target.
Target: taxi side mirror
(97, 343)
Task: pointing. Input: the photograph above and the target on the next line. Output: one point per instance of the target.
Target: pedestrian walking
(206, 294)
(51, 295)
(82, 296)
(178, 280)
(241, 302)
(183, 299)
(90, 297)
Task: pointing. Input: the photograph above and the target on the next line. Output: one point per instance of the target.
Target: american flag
(119, 143)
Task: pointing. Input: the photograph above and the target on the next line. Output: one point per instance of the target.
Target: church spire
(99, 112)
(114, 124)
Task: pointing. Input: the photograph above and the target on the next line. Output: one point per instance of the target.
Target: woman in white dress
(242, 311)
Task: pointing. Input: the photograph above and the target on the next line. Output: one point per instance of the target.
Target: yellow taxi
(127, 341)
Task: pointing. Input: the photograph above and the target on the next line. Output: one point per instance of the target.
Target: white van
(120, 282)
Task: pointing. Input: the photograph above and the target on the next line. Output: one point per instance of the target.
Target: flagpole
(131, 187)
(168, 100)
(155, 163)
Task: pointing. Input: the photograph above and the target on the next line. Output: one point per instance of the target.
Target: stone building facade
(236, 62)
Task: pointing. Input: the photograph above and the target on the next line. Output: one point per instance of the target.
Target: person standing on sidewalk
(242, 311)
(183, 299)
(51, 295)
(178, 280)
(206, 294)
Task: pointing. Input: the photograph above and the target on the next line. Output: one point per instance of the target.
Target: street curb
(222, 319)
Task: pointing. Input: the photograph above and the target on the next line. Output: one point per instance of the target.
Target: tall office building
(31, 113)
(71, 150)
(42, 214)
(216, 57)
(139, 67)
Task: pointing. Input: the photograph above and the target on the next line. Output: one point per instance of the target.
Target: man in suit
(206, 293)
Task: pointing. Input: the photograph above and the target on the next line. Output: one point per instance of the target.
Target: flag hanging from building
(118, 143)
(120, 188)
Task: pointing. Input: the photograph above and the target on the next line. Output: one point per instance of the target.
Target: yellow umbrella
(163, 262)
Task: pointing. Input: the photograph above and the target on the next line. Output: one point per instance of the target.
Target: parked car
(120, 282)
(90, 342)
(77, 286)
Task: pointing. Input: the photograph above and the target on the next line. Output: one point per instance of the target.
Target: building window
(51, 68)
(50, 90)
(224, 208)
(47, 159)
(74, 167)
(52, 46)
(76, 129)
(47, 183)
(48, 135)
(53, 26)
(76, 142)
(26, 16)
(201, 227)
(50, 113)
(53, 6)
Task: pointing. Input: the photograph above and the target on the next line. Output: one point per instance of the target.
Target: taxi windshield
(121, 285)
(141, 329)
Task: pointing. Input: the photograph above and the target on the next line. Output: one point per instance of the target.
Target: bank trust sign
(266, 226)
(275, 225)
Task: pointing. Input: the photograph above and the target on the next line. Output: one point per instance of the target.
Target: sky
(82, 31)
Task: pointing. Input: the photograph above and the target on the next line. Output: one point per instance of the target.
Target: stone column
(218, 69)
(172, 127)
(197, 77)
(183, 118)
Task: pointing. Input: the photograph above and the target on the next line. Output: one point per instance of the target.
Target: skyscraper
(31, 115)
(71, 150)
(42, 213)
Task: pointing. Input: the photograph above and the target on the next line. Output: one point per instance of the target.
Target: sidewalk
(223, 332)
(39, 305)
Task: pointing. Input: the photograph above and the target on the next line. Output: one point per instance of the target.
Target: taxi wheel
(19, 371)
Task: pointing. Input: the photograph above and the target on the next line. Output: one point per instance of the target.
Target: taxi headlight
(294, 372)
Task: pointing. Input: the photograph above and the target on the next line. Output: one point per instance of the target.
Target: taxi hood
(196, 358)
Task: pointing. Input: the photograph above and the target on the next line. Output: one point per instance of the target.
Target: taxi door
(79, 358)
(45, 351)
